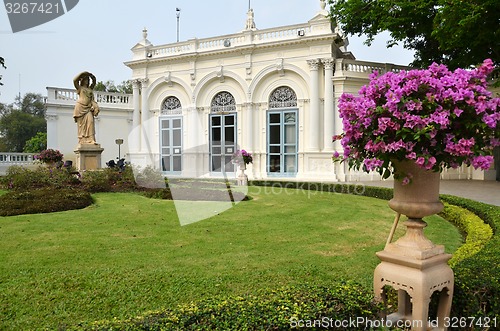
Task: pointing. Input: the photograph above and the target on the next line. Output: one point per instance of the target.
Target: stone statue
(250, 20)
(86, 108)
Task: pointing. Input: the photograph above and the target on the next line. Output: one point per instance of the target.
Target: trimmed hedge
(478, 233)
(278, 309)
(103, 180)
(24, 179)
(44, 200)
(477, 280)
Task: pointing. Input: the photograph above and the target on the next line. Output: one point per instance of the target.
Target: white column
(339, 89)
(134, 139)
(52, 137)
(248, 129)
(145, 143)
(328, 120)
(313, 128)
(339, 81)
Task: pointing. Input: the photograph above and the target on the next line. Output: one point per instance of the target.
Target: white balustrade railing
(172, 49)
(63, 94)
(16, 158)
(56, 95)
(282, 34)
(239, 39)
(112, 98)
(347, 67)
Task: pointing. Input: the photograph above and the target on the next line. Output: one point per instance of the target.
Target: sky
(97, 36)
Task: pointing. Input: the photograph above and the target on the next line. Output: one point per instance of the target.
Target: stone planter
(419, 198)
(50, 164)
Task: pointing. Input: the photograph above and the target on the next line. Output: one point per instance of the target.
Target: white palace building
(272, 92)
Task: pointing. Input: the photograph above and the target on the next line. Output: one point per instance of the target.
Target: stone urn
(420, 197)
(416, 199)
(50, 164)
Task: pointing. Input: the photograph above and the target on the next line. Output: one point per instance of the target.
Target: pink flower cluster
(434, 116)
(49, 155)
(242, 156)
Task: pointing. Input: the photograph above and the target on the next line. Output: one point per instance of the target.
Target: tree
(36, 144)
(5, 109)
(32, 103)
(453, 32)
(109, 86)
(125, 87)
(17, 127)
(21, 121)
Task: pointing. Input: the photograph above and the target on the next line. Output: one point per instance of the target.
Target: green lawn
(128, 254)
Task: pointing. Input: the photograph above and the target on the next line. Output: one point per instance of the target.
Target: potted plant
(426, 119)
(50, 157)
(242, 158)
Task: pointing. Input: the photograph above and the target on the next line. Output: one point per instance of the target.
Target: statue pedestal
(88, 156)
(242, 178)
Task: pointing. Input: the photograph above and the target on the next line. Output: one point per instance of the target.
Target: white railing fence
(56, 95)
(16, 158)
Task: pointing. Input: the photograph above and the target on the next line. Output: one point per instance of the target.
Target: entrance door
(222, 142)
(171, 144)
(282, 142)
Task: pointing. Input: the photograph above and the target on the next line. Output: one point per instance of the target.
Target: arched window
(223, 102)
(283, 97)
(171, 106)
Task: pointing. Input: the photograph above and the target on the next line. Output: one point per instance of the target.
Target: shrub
(478, 233)
(121, 181)
(149, 177)
(435, 117)
(277, 309)
(20, 178)
(103, 180)
(95, 181)
(45, 200)
(477, 285)
(109, 180)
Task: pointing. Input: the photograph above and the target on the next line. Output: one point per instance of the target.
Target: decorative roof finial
(322, 4)
(145, 41)
(250, 20)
